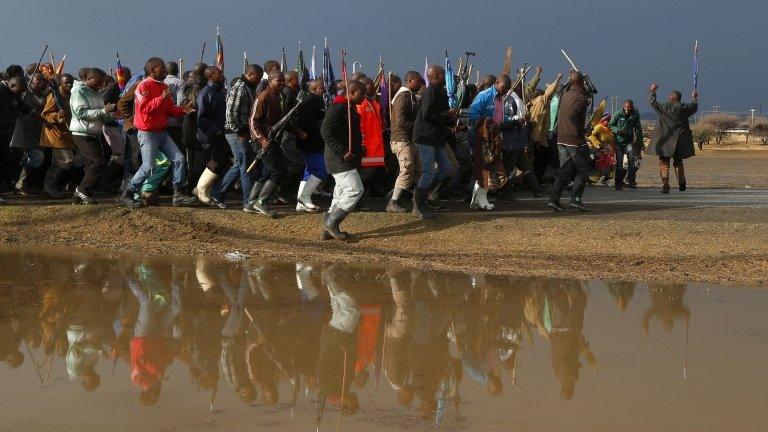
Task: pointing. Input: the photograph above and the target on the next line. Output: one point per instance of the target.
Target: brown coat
(572, 117)
(539, 112)
(56, 132)
(125, 104)
(488, 166)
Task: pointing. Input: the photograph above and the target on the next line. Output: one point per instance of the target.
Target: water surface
(97, 342)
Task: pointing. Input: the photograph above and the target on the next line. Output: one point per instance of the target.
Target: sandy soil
(723, 244)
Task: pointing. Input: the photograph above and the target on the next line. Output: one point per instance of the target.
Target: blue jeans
(243, 158)
(621, 150)
(429, 155)
(149, 144)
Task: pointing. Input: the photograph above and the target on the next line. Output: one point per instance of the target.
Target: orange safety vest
(373, 139)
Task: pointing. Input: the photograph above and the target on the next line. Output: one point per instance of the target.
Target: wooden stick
(202, 53)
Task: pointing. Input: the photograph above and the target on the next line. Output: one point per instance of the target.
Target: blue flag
(450, 82)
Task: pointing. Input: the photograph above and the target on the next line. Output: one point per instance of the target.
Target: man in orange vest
(370, 126)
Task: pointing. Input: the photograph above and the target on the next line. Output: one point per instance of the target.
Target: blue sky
(624, 45)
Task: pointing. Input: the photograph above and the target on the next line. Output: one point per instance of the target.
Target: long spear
(40, 60)
(202, 53)
(349, 104)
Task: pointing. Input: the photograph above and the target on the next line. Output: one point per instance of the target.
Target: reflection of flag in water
(696, 65)
(283, 62)
(328, 78)
(119, 73)
(450, 82)
(60, 67)
(219, 52)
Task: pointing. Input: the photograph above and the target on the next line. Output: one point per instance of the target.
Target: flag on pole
(312, 65)
(328, 78)
(450, 82)
(301, 68)
(426, 69)
(219, 51)
(119, 73)
(696, 66)
(60, 67)
(283, 63)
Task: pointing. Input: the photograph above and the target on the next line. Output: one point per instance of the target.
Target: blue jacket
(211, 111)
(514, 137)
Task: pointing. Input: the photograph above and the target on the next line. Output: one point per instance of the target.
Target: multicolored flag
(450, 82)
(696, 66)
(119, 73)
(283, 63)
(312, 65)
(219, 51)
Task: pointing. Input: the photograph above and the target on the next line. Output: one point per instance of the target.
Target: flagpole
(349, 103)
(40, 60)
(696, 65)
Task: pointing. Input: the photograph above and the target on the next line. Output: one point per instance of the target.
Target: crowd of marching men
(280, 137)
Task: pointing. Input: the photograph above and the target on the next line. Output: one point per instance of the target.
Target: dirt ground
(723, 243)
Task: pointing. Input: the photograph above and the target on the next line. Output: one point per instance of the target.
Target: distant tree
(760, 130)
(702, 133)
(721, 123)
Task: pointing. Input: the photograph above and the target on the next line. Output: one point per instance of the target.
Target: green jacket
(626, 128)
(88, 115)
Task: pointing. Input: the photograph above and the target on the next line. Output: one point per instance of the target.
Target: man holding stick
(672, 139)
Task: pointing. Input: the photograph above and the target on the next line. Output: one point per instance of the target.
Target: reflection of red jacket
(370, 126)
(367, 335)
(149, 358)
(151, 110)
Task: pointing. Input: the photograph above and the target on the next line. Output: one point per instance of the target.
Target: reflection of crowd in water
(328, 330)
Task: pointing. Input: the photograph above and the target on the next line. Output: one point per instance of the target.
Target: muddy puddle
(122, 343)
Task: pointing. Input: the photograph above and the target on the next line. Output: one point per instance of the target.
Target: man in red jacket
(153, 106)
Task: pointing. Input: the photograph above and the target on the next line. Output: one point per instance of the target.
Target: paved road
(690, 198)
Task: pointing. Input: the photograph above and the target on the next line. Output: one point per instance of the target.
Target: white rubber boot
(304, 198)
(480, 199)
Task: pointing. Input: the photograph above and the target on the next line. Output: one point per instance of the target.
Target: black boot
(126, 198)
(261, 203)
(555, 194)
(52, 180)
(533, 185)
(181, 198)
(420, 207)
(331, 223)
(253, 195)
(578, 192)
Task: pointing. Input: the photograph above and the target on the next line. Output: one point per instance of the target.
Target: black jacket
(431, 120)
(335, 133)
(11, 106)
(309, 119)
(211, 112)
